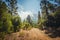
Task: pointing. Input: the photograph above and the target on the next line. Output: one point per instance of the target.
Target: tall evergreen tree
(29, 19)
(39, 17)
(44, 7)
(12, 6)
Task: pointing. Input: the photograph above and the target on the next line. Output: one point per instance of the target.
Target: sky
(28, 7)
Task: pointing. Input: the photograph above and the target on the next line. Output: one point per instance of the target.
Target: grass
(21, 34)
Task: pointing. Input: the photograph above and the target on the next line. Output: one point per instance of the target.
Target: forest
(48, 21)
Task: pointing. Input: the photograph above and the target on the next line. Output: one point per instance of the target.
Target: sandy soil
(33, 34)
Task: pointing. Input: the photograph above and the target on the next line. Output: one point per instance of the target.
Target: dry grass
(33, 34)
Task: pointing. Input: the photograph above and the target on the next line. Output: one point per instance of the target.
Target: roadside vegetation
(10, 21)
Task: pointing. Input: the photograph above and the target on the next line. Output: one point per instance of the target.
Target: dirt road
(33, 34)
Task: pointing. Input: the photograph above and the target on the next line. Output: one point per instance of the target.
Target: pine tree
(29, 19)
(39, 17)
(12, 6)
(44, 7)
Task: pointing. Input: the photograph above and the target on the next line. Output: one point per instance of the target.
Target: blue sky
(31, 5)
(28, 7)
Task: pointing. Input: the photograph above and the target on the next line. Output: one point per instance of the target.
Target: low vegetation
(10, 21)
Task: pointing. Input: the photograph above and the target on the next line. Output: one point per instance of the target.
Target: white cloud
(24, 14)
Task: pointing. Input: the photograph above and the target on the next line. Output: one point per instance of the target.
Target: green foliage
(3, 7)
(29, 20)
(12, 6)
(46, 6)
(16, 21)
(53, 22)
(21, 34)
(26, 25)
(7, 23)
(2, 34)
